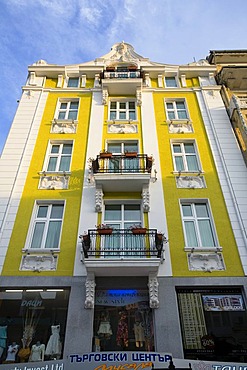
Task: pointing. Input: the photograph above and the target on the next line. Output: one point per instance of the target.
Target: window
(185, 157)
(171, 82)
(118, 162)
(125, 110)
(198, 225)
(68, 110)
(73, 82)
(59, 157)
(47, 226)
(176, 110)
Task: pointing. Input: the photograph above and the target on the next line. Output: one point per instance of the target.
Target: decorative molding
(32, 78)
(147, 80)
(153, 286)
(139, 97)
(83, 80)
(54, 182)
(99, 200)
(38, 263)
(206, 262)
(97, 80)
(190, 182)
(160, 81)
(63, 126)
(180, 128)
(105, 97)
(145, 199)
(90, 292)
(59, 80)
(183, 80)
(122, 128)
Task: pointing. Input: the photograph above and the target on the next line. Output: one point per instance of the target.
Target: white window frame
(58, 155)
(73, 78)
(175, 79)
(184, 156)
(122, 143)
(35, 219)
(123, 203)
(195, 219)
(118, 110)
(175, 110)
(67, 110)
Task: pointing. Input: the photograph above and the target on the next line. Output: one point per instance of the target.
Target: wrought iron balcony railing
(137, 163)
(122, 74)
(123, 243)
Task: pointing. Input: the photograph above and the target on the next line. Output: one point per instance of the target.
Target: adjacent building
(121, 230)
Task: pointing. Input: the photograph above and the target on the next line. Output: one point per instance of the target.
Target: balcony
(127, 81)
(127, 172)
(117, 252)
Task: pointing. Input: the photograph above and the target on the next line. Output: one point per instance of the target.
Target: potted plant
(130, 154)
(138, 229)
(105, 154)
(104, 229)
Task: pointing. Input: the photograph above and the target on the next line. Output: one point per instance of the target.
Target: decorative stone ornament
(190, 182)
(99, 200)
(123, 128)
(206, 262)
(54, 182)
(90, 292)
(153, 286)
(39, 262)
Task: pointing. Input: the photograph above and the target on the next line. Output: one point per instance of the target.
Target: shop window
(46, 227)
(58, 156)
(32, 324)
(122, 321)
(213, 324)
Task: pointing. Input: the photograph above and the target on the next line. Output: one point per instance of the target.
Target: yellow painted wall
(71, 196)
(212, 191)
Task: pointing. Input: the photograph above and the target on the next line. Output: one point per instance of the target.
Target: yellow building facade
(120, 238)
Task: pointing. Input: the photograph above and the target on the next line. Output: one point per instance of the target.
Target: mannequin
(37, 352)
(54, 346)
(12, 352)
(3, 339)
(105, 326)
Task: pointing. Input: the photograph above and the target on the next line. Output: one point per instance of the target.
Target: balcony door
(124, 243)
(120, 163)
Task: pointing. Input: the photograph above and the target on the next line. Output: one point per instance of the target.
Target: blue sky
(76, 31)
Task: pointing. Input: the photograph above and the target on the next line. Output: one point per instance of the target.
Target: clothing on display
(122, 331)
(12, 352)
(139, 333)
(54, 346)
(105, 326)
(3, 339)
(37, 352)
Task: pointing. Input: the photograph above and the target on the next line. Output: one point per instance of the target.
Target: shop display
(37, 352)
(54, 346)
(11, 353)
(3, 339)
(123, 321)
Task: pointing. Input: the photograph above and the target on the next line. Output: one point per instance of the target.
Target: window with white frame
(118, 162)
(58, 157)
(46, 226)
(198, 224)
(122, 110)
(73, 82)
(185, 157)
(171, 81)
(68, 109)
(176, 110)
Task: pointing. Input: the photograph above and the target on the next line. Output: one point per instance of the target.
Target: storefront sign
(122, 361)
(119, 297)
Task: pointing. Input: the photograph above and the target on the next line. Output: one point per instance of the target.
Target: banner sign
(123, 361)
